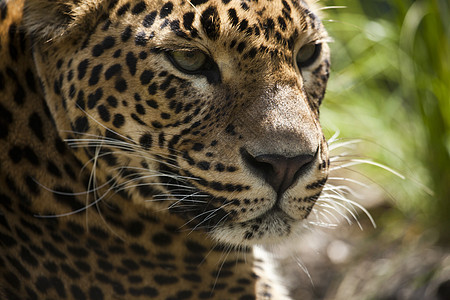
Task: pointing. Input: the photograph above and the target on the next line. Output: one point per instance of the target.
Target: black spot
(166, 10)
(72, 91)
(35, 124)
(126, 34)
(12, 280)
(104, 265)
(120, 85)
(194, 247)
(244, 6)
(164, 280)
(31, 83)
(252, 52)
(79, 252)
(269, 25)
(152, 104)
(112, 101)
(153, 88)
(69, 171)
(3, 10)
(198, 147)
(146, 141)
(243, 25)
(77, 293)
(104, 113)
(131, 62)
(15, 154)
(282, 23)
(95, 74)
(107, 43)
(140, 39)
(27, 257)
(51, 266)
(60, 146)
(198, 2)
(161, 239)
(113, 70)
(138, 249)
(7, 240)
(175, 27)
(95, 293)
(59, 64)
(149, 19)
(50, 247)
(193, 277)
(156, 124)
(130, 264)
(146, 77)
(146, 291)
(210, 21)
(112, 4)
(165, 116)
(32, 185)
(143, 55)
(6, 118)
(65, 196)
(231, 169)
(171, 93)
(247, 297)
(35, 229)
(138, 8)
(81, 124)
(165, 256)
(232, 15)
(69, 271)
(188, 19)
(82, 67)
(123, 9)
(30, 155)
(2, 78)
(94, 98)
(19, 95)
(106, 26)
(140, 109)
(241, 47)
(118, 120)
(42, 284)
(204, 165)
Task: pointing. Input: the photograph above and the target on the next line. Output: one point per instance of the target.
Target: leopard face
(208, 110)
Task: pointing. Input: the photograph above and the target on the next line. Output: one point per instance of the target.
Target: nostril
(279, 171)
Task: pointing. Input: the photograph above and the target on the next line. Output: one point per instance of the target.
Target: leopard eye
(308, 54)
(189, 61)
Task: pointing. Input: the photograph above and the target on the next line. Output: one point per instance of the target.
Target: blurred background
(389, 102)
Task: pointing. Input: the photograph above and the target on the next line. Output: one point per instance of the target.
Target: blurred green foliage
(390, 86)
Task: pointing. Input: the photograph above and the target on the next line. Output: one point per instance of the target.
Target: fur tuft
(52, 19)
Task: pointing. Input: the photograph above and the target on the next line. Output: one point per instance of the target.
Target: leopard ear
(52, 19)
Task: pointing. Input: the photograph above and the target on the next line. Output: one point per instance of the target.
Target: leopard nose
(279, 171)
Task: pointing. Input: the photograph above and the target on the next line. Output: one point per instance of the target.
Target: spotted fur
(124, 177)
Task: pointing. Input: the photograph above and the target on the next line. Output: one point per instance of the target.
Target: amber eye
(189, 61)
(308, 54)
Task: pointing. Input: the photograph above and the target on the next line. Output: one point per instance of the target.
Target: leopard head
(207, 110)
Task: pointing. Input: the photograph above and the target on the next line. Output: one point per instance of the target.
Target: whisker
(332, 205)
(331, 7)
(354, 162)
(348, 180)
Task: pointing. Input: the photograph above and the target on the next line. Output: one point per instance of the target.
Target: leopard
(154, 149)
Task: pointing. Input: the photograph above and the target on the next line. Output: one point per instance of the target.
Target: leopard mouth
(272, 227)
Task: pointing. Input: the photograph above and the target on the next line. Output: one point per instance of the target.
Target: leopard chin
(272, 228)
